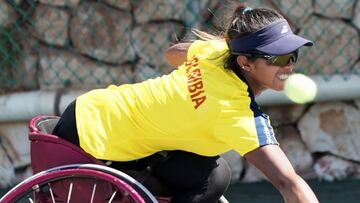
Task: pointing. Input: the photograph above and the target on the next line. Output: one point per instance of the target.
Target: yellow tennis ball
(300, 89)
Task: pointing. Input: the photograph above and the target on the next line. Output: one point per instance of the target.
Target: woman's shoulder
(207, 48)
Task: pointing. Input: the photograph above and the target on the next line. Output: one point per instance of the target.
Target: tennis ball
(300, 89)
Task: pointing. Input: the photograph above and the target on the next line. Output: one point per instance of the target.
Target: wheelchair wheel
(79, 183)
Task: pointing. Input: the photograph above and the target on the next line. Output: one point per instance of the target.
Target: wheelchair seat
(48, 151)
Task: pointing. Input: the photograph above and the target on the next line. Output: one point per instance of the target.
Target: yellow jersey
(200, 108)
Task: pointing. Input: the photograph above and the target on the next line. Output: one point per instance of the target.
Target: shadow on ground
(347, 191)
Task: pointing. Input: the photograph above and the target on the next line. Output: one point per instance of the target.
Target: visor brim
(285, 45)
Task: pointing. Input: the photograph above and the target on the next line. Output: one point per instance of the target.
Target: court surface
(347, 191)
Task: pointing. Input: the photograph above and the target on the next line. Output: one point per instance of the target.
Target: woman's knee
(217, 184)
(196, 178)
(220, 178)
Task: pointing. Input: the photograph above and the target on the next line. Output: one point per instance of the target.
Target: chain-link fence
(47, 44)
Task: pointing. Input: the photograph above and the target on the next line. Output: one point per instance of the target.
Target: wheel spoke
(112, 197)
(51, 193)
(30, 200)
(70, 191)
(93, 193)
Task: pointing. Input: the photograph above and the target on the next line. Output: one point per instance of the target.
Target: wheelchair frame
(68, 162)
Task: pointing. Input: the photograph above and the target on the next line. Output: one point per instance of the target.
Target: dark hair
(245, 21)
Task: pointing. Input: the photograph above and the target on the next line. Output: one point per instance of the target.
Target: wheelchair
(66, 173)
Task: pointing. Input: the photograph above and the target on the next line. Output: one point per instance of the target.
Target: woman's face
(261, 75)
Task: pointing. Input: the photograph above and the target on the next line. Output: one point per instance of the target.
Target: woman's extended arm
(176, 54)
(272, 161)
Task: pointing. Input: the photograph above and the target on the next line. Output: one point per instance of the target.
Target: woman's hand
(176, 54)
(272, 161)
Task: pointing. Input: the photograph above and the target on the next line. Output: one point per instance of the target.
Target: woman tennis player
(204, 108)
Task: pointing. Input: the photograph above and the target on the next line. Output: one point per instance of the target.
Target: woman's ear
(243, 62)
